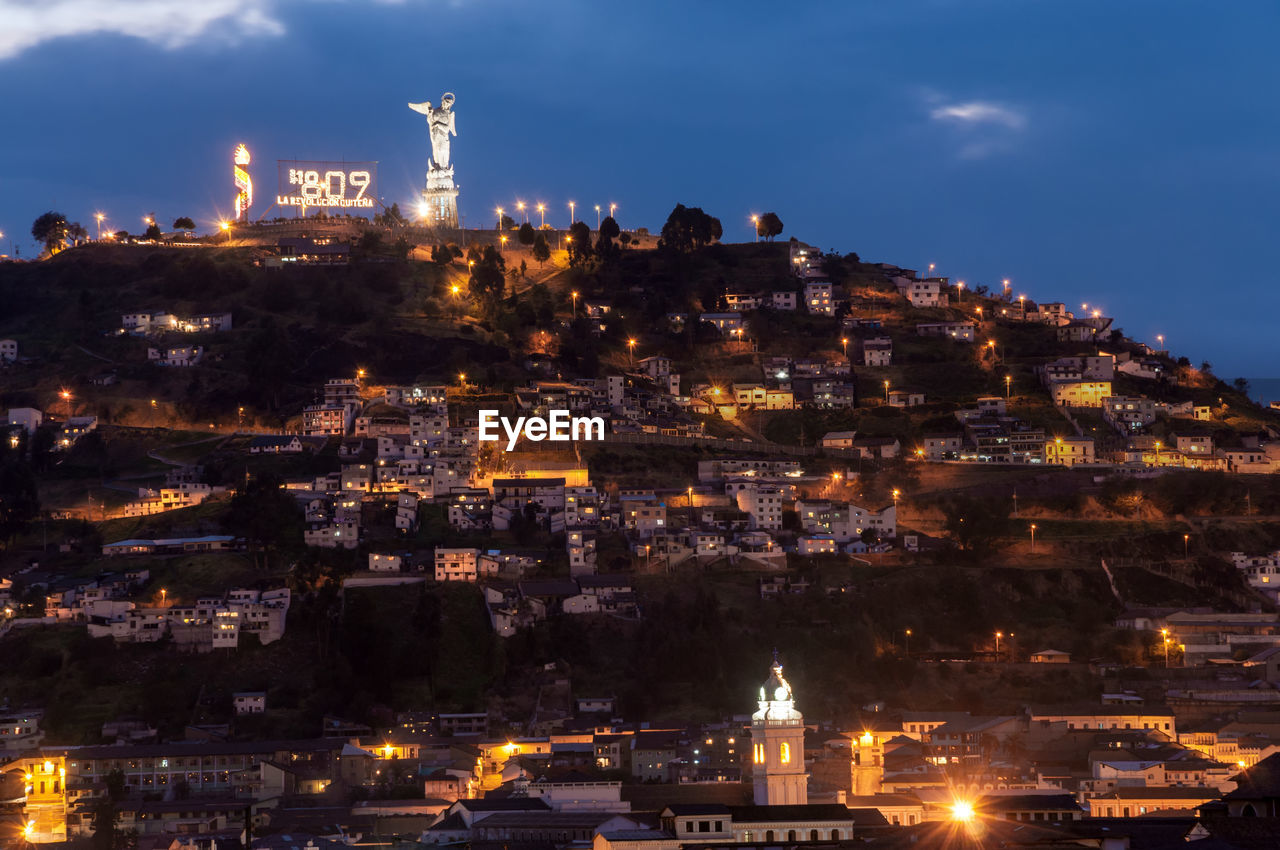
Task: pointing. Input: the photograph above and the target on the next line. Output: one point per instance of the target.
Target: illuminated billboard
(327, 185)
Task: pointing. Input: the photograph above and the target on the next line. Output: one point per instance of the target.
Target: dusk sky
(1120, 154)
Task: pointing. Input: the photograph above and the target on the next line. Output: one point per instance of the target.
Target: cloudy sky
(1121, 154)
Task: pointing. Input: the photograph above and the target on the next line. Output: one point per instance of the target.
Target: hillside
(384, 321)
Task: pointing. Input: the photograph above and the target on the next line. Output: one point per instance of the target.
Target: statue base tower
(440, 199)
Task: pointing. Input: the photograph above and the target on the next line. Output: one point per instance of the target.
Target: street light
(1008, 382)
(886, 392)
(571, 218)
(542, 215)
(1033, 537)
(1164, 635)
(844, 343)
(597, 216)
(931, 268)
(523, 217)
(907, 633)
(612, 208)
(99, 216)
(998, 636)
(631, 348)
(499, 211)
(960, 292)
(574, 296)
(755, 227)
(502, 242)
(1160, 339)
(1186, 543)
(896, 494)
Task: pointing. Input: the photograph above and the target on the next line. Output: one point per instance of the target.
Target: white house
(459, 565)
(877, 351)
(926, 293)
(8, 349)
(783, 300)
(959, 331)
(249, 702)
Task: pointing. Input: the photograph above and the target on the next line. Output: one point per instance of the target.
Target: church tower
(777, 745)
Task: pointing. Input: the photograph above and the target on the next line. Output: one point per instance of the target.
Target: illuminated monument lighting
(439, 205)
(244, 185)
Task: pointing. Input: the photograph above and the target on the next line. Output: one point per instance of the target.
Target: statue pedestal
(440, 199)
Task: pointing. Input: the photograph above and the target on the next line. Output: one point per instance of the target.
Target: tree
(609, 231)
(183, 222)
(1241, 385)
(488, 278)
(51, 229)
(769, 226)
(153, 231)
(526, 234)
(508, 223)
(265, 515)
(689, 228)
(579, 244)
(541, 250)
(976, 524)
(19, 501)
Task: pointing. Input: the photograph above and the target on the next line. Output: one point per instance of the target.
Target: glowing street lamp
(612, 209)
(99, 216)
(907, 634)
(462, 379)
(1186, 546)
(574, 300)
(1160, 339)
(1006, 286)
(1164, 635)
(523, 218)
(896, 494)
(502, 242)
(1033, 537)
(631, 348)
(571, 213)
(597, 216)
(755, 227)
(844, 343)
(542, 215)
(65, 395)
(960, 292)
(226, 228)
(932, 266)
(499, 211)
(886, 392)
(998, 636)
(1008, 382)
(962, 811)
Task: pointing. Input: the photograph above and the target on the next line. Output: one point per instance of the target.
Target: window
(784, 754)
(757, 755)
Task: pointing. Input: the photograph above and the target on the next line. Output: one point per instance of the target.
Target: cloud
(170, 24)
(977, 112)
(979, 128)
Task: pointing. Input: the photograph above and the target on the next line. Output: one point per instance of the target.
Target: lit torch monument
(440, 199)
(244, 185)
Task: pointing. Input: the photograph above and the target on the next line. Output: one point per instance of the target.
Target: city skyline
(1044, 144)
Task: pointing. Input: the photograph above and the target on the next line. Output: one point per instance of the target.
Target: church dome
(775, 687)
